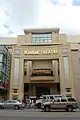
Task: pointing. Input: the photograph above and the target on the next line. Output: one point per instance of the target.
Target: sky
(16, 15)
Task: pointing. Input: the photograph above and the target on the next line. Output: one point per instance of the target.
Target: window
(8, 101)
(71, 100)
(42, 38)
(13, 101)
(1, 57)
(63, 100)
(51, 97)
(4, 59)
(2, 76)
(57, 100)
(44, 98)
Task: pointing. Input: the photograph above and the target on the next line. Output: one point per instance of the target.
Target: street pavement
(34, 114)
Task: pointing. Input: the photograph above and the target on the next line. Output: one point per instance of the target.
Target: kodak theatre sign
(39, 52)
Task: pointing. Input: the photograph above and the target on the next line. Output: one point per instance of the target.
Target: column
(62, 79)
(71, 75)
(55, 69)
(16, 72)
(11, 78)
(29, 70)
(21, 82)
(66, 72)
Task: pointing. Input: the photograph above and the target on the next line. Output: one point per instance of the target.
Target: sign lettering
(38, 52)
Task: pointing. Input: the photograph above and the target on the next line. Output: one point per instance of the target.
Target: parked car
(45, 98)
(62, 103)
(11, 104)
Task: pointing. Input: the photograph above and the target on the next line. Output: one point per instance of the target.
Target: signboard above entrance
(39, 52)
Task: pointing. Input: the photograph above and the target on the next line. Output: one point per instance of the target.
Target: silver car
(11, 104)
(63, 103)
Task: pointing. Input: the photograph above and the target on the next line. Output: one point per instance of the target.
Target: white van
(50, 97)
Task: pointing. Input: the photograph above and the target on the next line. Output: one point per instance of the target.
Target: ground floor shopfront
(41, 89)
(38, 70)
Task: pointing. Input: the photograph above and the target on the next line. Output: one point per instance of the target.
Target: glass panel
(45, 41)
(2, 77)
(34, 35)
(49, 35)
(36, 38)
(45, 38)
(41, 41)
(4, 59)
(16, 72)
(66, 71)
(1, 57)
(49, 41)
(33, 40)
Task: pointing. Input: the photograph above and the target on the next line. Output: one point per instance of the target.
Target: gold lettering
(50, 51)
(32, 52)
(41, 52)
(25, 52)
(37, 52)
(56, 51)
(44, 52)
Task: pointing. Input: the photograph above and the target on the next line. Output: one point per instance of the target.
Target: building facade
(41, 64)
(76, 68)
(5, 64)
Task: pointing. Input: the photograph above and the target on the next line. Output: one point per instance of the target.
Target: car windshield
(1, 101)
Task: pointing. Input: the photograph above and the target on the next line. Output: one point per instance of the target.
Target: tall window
(42, 38)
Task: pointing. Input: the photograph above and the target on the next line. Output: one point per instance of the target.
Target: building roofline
(41, 30)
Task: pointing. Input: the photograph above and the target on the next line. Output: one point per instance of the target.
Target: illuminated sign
(38, 52)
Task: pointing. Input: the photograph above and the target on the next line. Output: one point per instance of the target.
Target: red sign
(6, 84)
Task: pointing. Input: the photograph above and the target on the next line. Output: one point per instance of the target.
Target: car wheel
(69, 108)
(0, 106)
(47, 108)
(16, 107)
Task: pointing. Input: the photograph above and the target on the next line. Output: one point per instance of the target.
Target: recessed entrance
(41, 77)
(42, 90)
